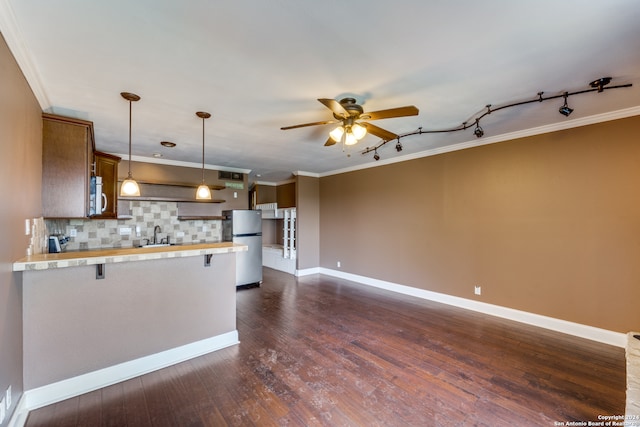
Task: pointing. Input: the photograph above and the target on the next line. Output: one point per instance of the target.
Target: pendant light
(203, 192)
(129, 186)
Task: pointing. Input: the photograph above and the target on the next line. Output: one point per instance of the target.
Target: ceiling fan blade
(379, 132)
(325, 122)
(334, 106)
(329, 142)
(409, 110)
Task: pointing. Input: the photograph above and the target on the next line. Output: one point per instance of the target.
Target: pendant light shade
(130, 187)
(203, 192)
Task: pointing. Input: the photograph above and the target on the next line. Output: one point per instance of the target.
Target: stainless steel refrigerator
(244, 226)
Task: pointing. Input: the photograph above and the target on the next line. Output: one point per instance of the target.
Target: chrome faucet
(156, 230)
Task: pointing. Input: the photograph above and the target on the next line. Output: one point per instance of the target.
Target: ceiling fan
(350, 115)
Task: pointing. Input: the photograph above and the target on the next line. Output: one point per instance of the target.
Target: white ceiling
(259, 65)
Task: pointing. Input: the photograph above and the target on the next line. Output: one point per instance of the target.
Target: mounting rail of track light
(597, 85)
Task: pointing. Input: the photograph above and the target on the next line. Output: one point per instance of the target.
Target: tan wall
(20, 162)
(308, 222)
(548, 224)
(75, 324)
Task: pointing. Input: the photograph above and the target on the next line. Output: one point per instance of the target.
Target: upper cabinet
(106, 166)
(284, 195)
(67, 153)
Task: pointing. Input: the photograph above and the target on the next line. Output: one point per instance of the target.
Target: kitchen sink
(156, 245)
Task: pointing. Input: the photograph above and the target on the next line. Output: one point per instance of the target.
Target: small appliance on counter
(57, 244)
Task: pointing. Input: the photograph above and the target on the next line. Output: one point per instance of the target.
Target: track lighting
(565, 110)
(597, 85)
(478, 132)
(600, 83)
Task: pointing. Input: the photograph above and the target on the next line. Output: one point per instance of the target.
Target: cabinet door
(107, 168)
(67, 151)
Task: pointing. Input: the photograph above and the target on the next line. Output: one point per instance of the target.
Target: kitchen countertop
(114, 255)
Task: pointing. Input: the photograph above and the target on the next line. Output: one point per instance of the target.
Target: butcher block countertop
(114, 255)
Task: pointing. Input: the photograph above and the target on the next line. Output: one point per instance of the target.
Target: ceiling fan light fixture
(350, 139)
(358, 131)
(203, 192)
(337, 133)
(130, 187)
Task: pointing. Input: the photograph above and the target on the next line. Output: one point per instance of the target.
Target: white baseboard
(61, 390)
(584, 331)
(308, 271)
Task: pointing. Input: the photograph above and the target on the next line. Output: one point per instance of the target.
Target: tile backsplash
(127, 233)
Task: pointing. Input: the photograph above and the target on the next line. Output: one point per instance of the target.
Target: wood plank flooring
(320, 351)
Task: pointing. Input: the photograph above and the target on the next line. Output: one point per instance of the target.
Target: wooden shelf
(169, 199)
(179, 184)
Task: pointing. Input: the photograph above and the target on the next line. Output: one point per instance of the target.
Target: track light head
(478, 132)
(398, 146)
(565, 110)
(376, 156)
(600, 83)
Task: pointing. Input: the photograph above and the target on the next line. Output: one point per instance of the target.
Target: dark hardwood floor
(320, 351)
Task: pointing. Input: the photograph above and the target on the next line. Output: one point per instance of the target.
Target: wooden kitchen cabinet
(107, 168)
(67, 154)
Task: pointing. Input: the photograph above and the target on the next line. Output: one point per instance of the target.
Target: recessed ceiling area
(258, 66)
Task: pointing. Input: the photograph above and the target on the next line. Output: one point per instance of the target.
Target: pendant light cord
(203, 150)
(129, 139)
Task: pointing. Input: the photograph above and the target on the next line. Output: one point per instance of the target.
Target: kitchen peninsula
(97, 317)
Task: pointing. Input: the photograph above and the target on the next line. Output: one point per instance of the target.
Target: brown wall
(308, 222)
(286, 195)
(265, 193)
(548, 224)
(20, 162)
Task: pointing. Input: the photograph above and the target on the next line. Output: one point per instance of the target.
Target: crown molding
(15, 41)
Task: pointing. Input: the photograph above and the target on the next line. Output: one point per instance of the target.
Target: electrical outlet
(338, 264)
(478, 290)
(73, 232)
(125, 231)
(27, 227)
(179, 233)
(8, 397)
